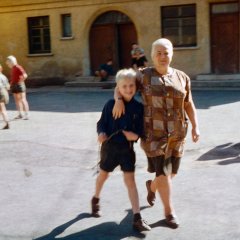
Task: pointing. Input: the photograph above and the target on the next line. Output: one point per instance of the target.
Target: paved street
(47, 176)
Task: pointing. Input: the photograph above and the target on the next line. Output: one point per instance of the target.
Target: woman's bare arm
(118, 108)
(192, 114)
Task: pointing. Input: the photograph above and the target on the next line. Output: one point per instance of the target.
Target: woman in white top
(4, 97)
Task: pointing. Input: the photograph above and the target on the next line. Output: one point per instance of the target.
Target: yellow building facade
(59, 39)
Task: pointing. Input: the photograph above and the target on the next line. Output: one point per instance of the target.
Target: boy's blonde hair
(125, 73)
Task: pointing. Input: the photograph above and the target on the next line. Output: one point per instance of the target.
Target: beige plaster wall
(72, 56)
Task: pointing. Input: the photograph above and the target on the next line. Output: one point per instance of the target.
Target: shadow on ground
(106, 230)
(228, 153)
(80, 101)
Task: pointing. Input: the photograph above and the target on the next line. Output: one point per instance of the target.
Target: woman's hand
(102, 137)
(118, 109)
(130, 136)
(195, 134)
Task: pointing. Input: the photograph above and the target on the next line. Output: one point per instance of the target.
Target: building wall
(72, 56)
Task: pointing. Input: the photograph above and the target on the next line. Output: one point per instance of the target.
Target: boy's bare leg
(129, 180)
(18, 102)
(24, 102)
(138, 223)
(101, 178)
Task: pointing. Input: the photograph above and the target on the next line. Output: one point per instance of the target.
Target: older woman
(4, 97)
(18, 88)
(167, 99)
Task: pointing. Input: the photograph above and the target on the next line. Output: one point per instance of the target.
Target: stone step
(217, 77)
(91, 79)
(94, 82)
(215, 84)
(81, 84)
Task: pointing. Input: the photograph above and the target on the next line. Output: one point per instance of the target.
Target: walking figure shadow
(228, 153)
(103, 231)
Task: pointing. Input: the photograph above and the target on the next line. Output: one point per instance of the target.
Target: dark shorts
(18, 87)
(117, 154)
(4, 97)
(163, 167)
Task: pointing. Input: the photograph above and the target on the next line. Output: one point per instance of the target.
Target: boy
(4, 97)
(117, 138)
(105, 70)
(18, 87)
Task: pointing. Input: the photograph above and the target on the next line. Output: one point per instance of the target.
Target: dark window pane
(34, 22)
(170, 22)
(188, 11)
(188, 22)
(36, 32)
(45, 21)
(112, 17)
(36, 40)
(39, 34)
(189, 31)
(170, 12)
(171, 31)
(179, 24)
(46, 31)
(66, 25)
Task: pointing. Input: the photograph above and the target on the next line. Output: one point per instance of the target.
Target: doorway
(111, 37)
(225, 37)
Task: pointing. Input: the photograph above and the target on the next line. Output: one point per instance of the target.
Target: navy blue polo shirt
(132, 120)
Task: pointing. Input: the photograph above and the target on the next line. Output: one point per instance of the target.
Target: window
(179, 25)
(66, 25)
(39, 35)
(225, 8)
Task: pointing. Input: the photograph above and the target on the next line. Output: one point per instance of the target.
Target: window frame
(179, 25)
(44, 35)
(64, 28)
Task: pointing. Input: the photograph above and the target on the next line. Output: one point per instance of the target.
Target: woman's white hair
(125, 73)
(161, 42)
(12, 59)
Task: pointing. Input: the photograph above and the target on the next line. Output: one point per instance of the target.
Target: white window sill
(40, 54)
(66, 38)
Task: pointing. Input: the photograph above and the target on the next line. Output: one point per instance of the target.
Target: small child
(117, 138)
(4, 97)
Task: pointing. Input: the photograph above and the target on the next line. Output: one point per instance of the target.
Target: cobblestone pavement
(47, 176)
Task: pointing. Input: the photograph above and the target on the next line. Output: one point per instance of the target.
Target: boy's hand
(118, 109)
(102, 137)
(130, 136)
(195, 134)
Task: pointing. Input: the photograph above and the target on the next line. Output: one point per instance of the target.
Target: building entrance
(225, 38)
(111, 36)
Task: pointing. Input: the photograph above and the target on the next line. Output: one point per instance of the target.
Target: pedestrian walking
(117, 138)
(4, 97)
(167, 100)
(18, 87)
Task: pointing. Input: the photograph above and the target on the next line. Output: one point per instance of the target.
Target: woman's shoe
(172, 221)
